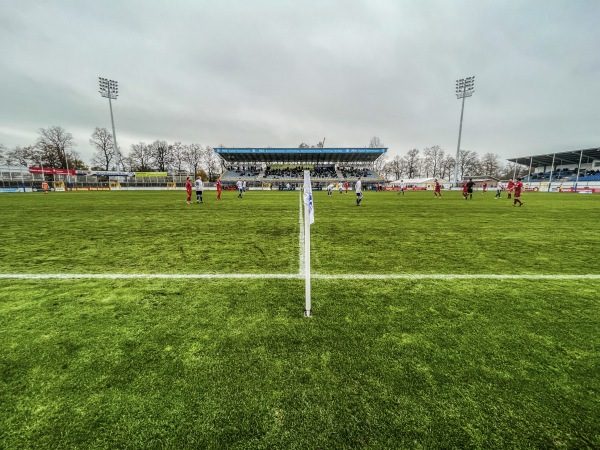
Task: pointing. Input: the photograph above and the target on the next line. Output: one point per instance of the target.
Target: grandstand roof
(297, 155)
(560, 158)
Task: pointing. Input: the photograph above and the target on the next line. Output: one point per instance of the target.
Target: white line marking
(347, 276)
(301, 238)
(128, 276)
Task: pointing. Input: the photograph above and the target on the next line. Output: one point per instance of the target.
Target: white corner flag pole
(309, 217)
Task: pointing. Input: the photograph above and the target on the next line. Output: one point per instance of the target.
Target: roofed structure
(559, 158)
(300, 155)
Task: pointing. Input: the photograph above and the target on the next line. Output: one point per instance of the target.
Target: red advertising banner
(51, 171)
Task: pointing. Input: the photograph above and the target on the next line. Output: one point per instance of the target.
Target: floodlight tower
(464, 88)
(110, 89)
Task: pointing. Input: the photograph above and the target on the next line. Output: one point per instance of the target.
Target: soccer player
(359, 193)
(401, 191)
(465, 191)
(498, 190)
(240, 187)
(510, 187)
(470, 185)
(341, 187)
(45, 186)
(199, 189)
(346, 186)
(218, 189)
(188, 190)
(484, 186)
(518, 189)
(329, 189)
(437, 190)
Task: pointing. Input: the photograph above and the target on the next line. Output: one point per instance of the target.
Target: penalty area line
(234, 276)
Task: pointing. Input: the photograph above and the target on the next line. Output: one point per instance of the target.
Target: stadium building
(283, 167)
(566, 171)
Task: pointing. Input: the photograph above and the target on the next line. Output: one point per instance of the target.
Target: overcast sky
(276, 73)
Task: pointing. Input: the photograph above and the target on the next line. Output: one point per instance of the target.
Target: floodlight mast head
(465, 87)
(108, 88)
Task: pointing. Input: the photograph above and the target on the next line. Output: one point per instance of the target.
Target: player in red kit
(484, 186)
(510, 187)
(346, 186)
(465, 191)
(518, 188)
(437, 190)
(218, 189)
(188, 189)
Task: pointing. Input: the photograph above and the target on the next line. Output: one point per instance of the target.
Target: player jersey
(518, 188)
(188, 186)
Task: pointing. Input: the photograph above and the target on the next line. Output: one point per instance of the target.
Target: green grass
(188, 363)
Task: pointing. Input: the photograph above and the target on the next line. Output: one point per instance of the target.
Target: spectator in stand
(510, 187)
(437, 189)
(518, 189)
(359, 193)
(470, 185)
(188, 190)
(218, 189)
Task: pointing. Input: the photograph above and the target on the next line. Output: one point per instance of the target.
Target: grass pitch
(384, 363)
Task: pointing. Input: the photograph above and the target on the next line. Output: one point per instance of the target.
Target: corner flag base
(307, 313)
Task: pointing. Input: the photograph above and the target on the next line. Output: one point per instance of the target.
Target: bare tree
(412, 162)
(433, 160)
(55, 144)
(211, 162)
(193, 157)
(447, 166)
(396, 167)
(104, 154)
(160, 154)
(178, 156)
(139, 158)
(24, 156)
(490, 164)
(380, 163)
(468, 163)
(375, 142)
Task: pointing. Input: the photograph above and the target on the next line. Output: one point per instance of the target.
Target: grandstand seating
(233, 173)
(565, 175)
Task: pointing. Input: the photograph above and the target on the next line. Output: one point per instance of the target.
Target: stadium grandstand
(279, 167)
(565, 170)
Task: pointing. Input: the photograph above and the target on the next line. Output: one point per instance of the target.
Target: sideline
(341, 276)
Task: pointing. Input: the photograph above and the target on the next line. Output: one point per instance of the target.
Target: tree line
(435, 162)
(55, 148)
